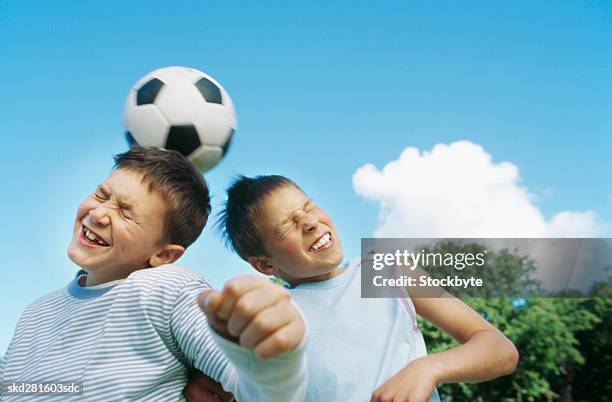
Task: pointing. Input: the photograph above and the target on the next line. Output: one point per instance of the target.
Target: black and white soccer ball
(183, 109)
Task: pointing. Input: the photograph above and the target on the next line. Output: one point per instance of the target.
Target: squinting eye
(284, 230)
(99, 196)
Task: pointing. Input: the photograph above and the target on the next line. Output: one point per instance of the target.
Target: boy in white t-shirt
(360, 349)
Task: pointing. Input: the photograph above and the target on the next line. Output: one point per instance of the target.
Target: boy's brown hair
(237, 220)
(180, 184)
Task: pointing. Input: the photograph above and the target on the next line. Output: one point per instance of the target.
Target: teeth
(324, 240)
(90, 235)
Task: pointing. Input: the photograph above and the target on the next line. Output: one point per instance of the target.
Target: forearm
(486, 355)
(269, 357)
(278, 379)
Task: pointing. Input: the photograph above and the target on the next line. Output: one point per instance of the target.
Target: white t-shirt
(355, 344)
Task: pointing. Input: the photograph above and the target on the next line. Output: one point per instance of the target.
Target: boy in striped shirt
(129, 326)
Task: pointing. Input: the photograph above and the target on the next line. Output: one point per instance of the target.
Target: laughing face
(118, 229)
(300, 238)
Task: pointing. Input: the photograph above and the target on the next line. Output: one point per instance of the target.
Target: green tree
(557, 338)
(504, 272)
(593, 380)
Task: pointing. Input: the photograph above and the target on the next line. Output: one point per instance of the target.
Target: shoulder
(166, 285)
(171, 275)
(48, 300)
(48, 305)
(159, 291)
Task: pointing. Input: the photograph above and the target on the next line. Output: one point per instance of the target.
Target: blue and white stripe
(133, 339)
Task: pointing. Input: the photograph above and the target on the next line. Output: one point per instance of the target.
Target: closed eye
(124, 213)
(282, 231)
(101, 194)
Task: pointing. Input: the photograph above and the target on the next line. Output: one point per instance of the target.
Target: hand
(202, 388)
(256, 313)
(414, 383)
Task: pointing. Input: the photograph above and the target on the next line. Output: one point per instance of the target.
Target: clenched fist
(256, 313)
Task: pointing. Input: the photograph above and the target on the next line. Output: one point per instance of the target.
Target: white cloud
(456, 190)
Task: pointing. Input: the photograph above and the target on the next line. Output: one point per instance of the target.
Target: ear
(167, 255)
(262, 264)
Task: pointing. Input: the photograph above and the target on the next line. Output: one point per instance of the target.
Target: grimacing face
(118, 229)
(300, 238)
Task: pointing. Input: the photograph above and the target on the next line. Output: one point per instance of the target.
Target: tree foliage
(565, 344)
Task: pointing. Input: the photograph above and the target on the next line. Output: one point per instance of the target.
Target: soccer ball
(183, 109)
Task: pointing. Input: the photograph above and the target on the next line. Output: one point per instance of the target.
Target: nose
(99, 216)
(309, 223)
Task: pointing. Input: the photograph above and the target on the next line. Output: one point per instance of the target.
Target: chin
(76, 256)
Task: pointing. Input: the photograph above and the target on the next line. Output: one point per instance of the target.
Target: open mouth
(91, 238)
(323, 243)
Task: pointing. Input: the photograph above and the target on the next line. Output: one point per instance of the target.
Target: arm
(238, 368)
(253, 313)
(485, 353)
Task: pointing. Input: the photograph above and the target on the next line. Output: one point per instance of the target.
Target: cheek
(129, 238)
(122, 235)
(291, 247)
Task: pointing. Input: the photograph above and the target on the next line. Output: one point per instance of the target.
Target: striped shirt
(137, 339)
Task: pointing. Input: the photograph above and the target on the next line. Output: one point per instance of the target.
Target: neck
(323, 277)
(93, 280)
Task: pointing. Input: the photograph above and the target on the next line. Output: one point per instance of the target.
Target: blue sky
(321, 89)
